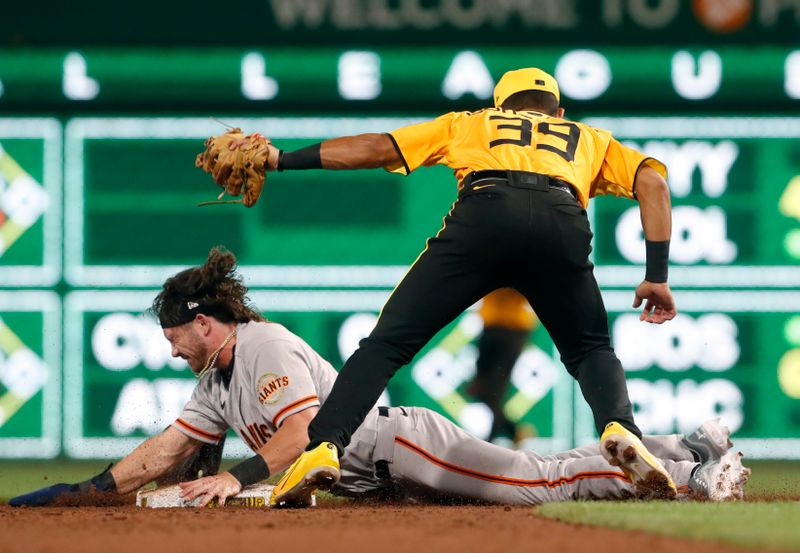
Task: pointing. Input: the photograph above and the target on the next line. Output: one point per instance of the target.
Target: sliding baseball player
(266, 384)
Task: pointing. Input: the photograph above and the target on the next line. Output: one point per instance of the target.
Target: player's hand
(238, 163)
(221, 486)
(45, 496)
(67, 494)
(659, 305)
(273, 153)
(272, 159)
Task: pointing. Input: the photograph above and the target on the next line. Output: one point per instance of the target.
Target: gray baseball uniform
(407, 450)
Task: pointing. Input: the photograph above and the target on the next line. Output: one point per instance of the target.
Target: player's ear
(560, 112)
(203, 324)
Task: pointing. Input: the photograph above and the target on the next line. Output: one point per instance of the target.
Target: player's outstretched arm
(282, 449)
(655, 206)
(363, 151)
(153, 458)
(239, 163)
(144, 464)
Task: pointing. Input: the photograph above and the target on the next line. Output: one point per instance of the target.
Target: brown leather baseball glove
(237, 162)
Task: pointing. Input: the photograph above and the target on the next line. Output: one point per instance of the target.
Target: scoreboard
(98, 194)
(378, 79)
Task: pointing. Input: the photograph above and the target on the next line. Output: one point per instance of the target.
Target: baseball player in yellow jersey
(507, 324)
(525, 176)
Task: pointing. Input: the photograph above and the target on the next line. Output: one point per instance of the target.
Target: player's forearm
(364, 151)
(153, 458)
(656, 212)
(655, 205)
(282, 449)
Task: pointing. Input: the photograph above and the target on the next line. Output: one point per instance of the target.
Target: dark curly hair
(538, 100)
(214, 288)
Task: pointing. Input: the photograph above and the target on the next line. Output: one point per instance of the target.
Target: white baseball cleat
(721, 479)
(710, 441)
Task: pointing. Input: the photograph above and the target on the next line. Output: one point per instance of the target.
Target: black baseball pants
(517, 230)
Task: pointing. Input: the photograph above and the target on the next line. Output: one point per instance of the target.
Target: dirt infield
(330, 528)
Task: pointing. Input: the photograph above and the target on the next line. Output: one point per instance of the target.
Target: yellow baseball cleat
(313, 470)
(621, 448)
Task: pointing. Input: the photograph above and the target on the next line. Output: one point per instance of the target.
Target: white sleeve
(283, 381)
(199, 420)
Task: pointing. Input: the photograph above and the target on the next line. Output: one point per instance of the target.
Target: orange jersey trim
(542, 482)
(298, 403)
(195, 430)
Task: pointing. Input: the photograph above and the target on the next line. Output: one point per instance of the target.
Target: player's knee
(587, 359)
(392, 350)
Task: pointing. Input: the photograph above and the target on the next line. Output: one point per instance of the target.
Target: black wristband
(304, 158)
(103, 482)
(250, 471)
(657, 260)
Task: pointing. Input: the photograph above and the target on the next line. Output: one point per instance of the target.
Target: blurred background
(104, 105)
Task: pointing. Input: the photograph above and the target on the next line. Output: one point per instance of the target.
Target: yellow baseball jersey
(507, 308)
(589, 159)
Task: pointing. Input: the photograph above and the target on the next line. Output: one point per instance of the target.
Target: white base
(252, 497)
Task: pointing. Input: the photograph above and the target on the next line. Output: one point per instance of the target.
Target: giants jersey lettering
(588, 158)
(275, 374)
